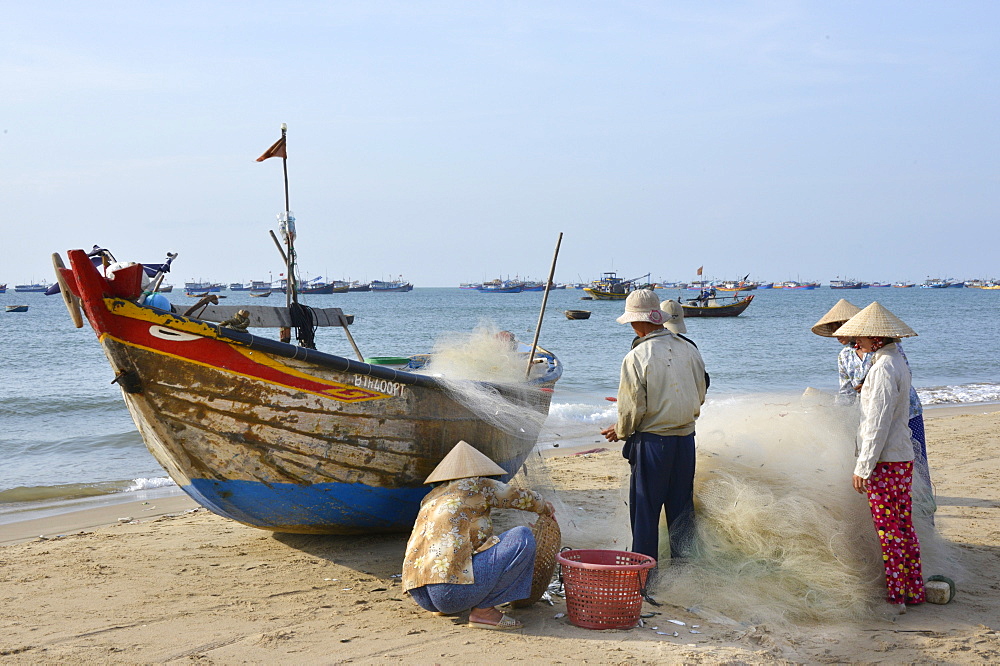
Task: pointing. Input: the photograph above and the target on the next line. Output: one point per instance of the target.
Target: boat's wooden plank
(264, 316)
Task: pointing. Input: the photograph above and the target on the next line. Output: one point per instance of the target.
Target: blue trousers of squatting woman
(502, 573)
(662, 478)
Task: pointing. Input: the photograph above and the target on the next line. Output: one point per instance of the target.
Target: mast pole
(291, 287)
(541, 313)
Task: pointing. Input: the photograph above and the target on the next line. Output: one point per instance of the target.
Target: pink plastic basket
(604, 587)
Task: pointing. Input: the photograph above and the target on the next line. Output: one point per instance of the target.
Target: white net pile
(782, 535)
(485, 372)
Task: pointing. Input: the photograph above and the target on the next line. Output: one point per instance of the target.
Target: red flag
(277, 150)
(699, 268)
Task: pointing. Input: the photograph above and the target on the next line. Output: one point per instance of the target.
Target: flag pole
(291, 287)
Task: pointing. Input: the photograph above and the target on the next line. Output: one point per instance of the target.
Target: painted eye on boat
(170, 334)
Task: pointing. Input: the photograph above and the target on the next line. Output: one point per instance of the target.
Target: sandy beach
(176, 583)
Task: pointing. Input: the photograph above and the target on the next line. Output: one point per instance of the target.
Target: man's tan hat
(875, 321)
(673, 315)
(835, 318)
(642, 305)
(462, 462)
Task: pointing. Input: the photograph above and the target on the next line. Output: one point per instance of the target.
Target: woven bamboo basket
(548, 538)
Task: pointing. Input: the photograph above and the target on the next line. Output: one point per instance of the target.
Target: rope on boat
(305, 323)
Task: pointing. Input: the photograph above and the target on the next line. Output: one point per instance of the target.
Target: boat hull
(288, 439)
(601, 295)
(730, 310)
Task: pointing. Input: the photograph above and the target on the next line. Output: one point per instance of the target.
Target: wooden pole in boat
(281, 250)
(541, 313)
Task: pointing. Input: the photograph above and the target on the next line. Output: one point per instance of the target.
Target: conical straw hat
(875, 321)
(463, 462)
(833, 319)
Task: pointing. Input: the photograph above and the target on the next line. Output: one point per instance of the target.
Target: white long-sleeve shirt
(884, 433)
(661, 388)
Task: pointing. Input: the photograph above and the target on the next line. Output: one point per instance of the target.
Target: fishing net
(781, 537)
(499, 395)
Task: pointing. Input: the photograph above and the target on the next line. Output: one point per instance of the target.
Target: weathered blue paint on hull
(322, 508)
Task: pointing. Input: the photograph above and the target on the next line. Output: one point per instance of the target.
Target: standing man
(660, 393)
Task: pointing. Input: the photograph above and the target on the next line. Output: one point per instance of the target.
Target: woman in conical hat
(852, 366)
(453, 561)
(884, 469)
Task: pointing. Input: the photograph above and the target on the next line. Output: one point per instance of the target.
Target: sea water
(65, 434)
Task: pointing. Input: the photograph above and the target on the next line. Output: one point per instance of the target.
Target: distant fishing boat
(577, 314)
(199, 287)
(499, 286)
(325, 288)
(715, 308)
(17, 308)
(847, 284)
(253, 285)
(284, 437)
(260, 294)
(359, 286)
(613, 288)
(903, 285)
(390, 285)
(165, 288)
(34, 287)
(3, 289)
(935, 283)
(738, 285)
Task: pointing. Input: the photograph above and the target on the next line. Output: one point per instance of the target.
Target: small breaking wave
(960, 394)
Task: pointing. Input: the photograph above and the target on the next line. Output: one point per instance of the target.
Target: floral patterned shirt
(853, 370)
(454, 524)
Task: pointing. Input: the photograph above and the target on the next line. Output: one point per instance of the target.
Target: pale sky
(452, 141)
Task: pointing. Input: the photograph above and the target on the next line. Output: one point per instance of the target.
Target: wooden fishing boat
(716, 309)
(260, 294)
(282, 437)
(33, 287)
(285, 437)
(17, 308)
(499, 286)
(398, 285)
(577, 314)
(613, 288)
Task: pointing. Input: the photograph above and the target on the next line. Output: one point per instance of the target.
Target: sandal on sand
(506, 623)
